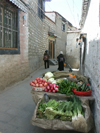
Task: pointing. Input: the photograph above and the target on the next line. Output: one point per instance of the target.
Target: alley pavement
(17, 107)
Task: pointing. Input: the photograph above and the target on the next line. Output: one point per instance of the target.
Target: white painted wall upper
(51, 15)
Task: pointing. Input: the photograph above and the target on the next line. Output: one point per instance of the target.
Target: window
(63, 27)
(8, 28)
(41, 8)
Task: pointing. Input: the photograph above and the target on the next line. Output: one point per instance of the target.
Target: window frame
(41, 6)
(63, 26)
(5, 50)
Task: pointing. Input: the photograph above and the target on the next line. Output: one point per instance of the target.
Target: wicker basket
(38, 88)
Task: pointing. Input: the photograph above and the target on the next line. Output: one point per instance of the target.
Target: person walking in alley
(46, 59)
(61, 61)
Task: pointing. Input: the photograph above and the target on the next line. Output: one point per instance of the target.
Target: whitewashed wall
(72, 52)
(92, 62)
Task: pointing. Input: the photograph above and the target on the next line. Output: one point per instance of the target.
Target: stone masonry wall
(92, 61)
(61, 36)
(14, 68)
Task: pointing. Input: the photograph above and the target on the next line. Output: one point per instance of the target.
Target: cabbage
(49, 75)
(54, 82)
(51, 80)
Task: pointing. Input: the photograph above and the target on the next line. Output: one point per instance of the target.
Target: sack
(45, 57)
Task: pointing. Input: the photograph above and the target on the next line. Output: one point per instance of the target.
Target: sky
(69, 9)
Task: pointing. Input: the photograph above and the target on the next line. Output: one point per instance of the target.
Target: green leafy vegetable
(66, 86)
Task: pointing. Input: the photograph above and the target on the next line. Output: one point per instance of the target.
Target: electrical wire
(71, 11)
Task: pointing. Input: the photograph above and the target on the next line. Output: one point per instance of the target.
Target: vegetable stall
(68, 107)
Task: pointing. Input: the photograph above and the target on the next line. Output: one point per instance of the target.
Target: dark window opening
(41, 8)
(63, 27)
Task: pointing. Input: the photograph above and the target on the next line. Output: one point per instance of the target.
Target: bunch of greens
(83, 87)
(78, 120)
(66, 86)
(63, 110)
(42, 107)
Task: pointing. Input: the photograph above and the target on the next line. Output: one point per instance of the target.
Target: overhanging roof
(85, 7)
(19, 4)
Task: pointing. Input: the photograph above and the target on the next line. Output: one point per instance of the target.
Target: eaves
(85, 8)
(20, 4)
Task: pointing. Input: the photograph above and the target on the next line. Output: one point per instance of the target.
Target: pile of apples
(39, 82)
(51, 88)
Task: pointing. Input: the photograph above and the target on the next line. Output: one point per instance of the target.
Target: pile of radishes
(39, 82)
(51, 88)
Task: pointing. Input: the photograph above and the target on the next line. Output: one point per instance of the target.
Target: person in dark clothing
(61, 61)
(46, 59)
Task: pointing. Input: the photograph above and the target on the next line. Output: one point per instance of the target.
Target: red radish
(54, 85)
(48, 87)
(53, 91)
(48, 83)
(56, 89)
(45, 90)
(52, 88)
(57, 86)
(49, 91)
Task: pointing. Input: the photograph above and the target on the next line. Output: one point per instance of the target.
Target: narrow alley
(28, 30)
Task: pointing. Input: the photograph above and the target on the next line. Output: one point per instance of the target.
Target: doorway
(52, 49)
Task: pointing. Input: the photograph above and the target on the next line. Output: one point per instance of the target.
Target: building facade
(25, 33)
(90, 24)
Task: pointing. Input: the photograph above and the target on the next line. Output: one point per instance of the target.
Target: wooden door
(51, 48)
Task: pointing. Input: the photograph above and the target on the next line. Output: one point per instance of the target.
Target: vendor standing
(61, 61)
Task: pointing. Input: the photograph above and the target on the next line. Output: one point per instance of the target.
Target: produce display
(62, 85)
(39, 82)
(51, 88)
(69, 113)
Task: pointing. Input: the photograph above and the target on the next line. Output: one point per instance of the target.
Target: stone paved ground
(17, 106)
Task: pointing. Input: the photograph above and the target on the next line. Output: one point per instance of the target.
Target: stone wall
(92, 60)
(61, 36)
(14, 68)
